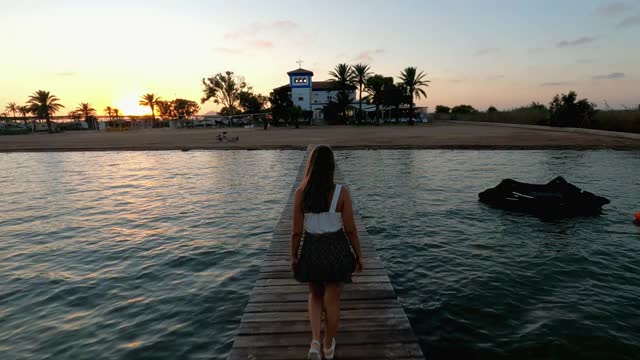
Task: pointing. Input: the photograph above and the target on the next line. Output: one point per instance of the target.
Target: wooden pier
(275, 325)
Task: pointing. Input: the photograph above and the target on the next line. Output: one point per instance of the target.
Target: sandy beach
(442, 135)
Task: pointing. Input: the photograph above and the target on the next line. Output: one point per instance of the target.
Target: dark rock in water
(556, 198)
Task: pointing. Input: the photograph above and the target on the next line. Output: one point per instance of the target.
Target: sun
(129, 105)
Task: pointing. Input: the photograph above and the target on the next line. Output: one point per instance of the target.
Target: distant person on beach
(323, 214)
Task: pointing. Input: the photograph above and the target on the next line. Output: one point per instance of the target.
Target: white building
(312, 95)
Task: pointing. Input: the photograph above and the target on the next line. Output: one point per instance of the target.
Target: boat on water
(557, 198)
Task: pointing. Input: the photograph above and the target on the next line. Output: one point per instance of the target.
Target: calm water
(129, 255)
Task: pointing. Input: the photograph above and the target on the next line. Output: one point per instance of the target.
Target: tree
(12, 107)
(44, 105)
(342, 76)
(150, 100)
(294, 114)
(414, 82)
(492, 109)
(463, 109)
(441, 109)
(88, 113)
(224, 89)
(395, 95)
(165, 109)
(566, 111)
(252, 103)
(361, 73)
(280, 103)
(24, 111)
(185, 108)
(109, 111)
(343, 100)
(376, 86)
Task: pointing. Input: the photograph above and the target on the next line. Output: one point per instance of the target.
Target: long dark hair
(318, 180)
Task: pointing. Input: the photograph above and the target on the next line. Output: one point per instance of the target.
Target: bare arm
(297, 226)
(350, 226)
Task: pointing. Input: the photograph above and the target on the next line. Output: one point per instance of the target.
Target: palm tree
(376, 86)
(414, 82)
(12, 107)
(342, 76)
(44, 105)
(361, 73)
(109, 111)
(89, 114)
(151, 101)
(24, 111)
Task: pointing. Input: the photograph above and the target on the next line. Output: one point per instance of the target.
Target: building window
(300, 98)
(300, 80)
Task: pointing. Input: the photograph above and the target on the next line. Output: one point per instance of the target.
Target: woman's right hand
(294, 263)
(359, 266)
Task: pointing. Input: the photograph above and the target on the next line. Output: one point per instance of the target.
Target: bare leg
(332, 308)
(316, 293)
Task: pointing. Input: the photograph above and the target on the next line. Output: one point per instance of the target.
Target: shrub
(566, 111)
(463, 109)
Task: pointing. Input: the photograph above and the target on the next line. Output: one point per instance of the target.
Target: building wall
(324, 97)
(301, 97)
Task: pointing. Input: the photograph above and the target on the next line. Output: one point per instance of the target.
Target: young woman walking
(323, 219)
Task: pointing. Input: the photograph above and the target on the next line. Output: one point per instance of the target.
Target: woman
(330, 253)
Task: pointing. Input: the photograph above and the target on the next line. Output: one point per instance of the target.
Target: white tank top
(325, 222)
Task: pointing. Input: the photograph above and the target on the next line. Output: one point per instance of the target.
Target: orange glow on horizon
(129, 105)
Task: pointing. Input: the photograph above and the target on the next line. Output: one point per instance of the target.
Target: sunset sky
(504, 53)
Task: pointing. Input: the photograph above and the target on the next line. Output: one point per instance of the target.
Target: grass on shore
(610, 120)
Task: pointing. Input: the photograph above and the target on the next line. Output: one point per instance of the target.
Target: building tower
(301, 87)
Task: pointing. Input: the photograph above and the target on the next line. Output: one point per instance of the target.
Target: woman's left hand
(294, 263)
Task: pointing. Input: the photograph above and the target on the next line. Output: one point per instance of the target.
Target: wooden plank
(304, 288)
(395, 312)
(351, 325)
(287, 274)
(302, 305)
(291, 281)
(369, 351)
(346, 295)
(343, 338)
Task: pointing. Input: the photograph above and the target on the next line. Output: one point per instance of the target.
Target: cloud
(250, 36)
(367, 55)
(228, 50)
(613, 8)
(495, 77)
(584, 61)
(579, 41)
(486, 51)
(67, 73)
(233, 35)
(558, 83)
(611, 76)
(260, 44)
(629, 22)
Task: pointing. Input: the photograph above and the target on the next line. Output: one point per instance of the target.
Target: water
(125, 255)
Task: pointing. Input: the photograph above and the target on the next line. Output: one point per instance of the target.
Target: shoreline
(337, 148)
(441, 135)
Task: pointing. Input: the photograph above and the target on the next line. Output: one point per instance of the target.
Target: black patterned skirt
(326, 257)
